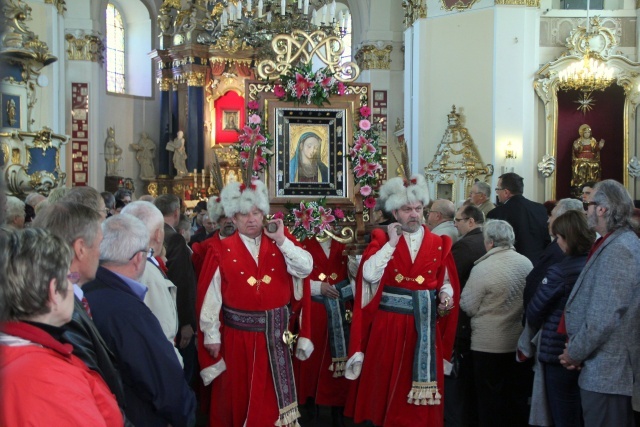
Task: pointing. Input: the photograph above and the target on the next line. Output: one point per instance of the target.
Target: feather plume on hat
(214, 205)
(406, 188)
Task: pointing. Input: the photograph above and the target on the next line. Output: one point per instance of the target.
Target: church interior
(147, 94)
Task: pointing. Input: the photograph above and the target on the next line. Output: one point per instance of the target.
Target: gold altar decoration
(587, 75)
(85, 48)
(372, 57)
(413, 10)
(456, 164)
(59, 4)
(300, 47)
(597, 40)
(527, 3)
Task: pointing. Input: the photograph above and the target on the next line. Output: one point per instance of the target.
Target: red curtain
(606, 119)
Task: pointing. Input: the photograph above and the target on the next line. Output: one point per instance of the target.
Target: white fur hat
(398, 192)
(214, 208)
(237, 197)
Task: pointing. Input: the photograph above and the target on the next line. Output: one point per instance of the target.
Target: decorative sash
(273, 323)
(421, 305)
(337, 325)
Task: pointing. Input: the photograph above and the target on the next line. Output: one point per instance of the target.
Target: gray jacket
(603, 317)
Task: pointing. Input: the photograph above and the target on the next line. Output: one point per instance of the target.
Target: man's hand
(394, 235)
(278, 236)
(329, 291)
(186, 332)
(567, 361)
(213, 349)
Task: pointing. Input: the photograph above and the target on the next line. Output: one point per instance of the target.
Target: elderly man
(181, 274)
(440, 219)
(528, 219)
(208, 228)
(405, 312)
(155, 388)
(87, 196)
(161, 296)
(15, 212)
(257, 277)
(79, 226)
(459, 406)
(480, 195)
(603, 312)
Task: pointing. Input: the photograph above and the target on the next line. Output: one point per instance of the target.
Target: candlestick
(203, 183)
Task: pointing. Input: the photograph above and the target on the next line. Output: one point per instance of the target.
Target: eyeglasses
(73, 277)
(148, 251)
(586, 205)
(460, 219)
(498, 189)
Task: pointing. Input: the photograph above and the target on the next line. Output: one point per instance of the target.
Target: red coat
(43, 383)
(313, 377)
(245, 390)
(388, 339)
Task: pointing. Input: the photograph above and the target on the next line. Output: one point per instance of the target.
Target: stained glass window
(115, 50)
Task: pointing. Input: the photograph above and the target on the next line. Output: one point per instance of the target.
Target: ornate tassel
(424, 394)
(289, 416)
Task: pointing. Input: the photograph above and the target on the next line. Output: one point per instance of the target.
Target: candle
(249, 6)
(283, 7)
(225, 18)
(203, 183)
(239, 11)
(324, 13)
(314, 17)
(232, 12)
(269, 17)
(340, 18)
(195, 178)
(332, 10)
(260, 7)
(306, 7)
(299, 4)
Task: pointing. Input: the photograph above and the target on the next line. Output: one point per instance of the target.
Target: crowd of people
(476, 315)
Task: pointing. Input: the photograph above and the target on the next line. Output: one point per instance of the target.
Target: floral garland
(302, 85)
(310, 218)
(254, 143)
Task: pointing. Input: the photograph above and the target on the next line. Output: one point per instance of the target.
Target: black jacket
(466, 251)
(529, 222)
(546, 308)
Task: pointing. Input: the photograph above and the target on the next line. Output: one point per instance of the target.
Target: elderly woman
(545, 310)
(43, 383)
(492, 298)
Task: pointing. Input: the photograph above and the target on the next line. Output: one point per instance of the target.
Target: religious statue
(11, 112)
(112, 153)
(585, 166)
(145, 155)
(179, 154)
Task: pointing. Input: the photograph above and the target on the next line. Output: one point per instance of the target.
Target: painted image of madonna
(305, 165)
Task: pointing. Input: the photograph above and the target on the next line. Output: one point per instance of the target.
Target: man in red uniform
(321, 377)
(257, 276)
(406, 306)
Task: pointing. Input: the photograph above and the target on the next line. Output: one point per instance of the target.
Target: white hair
(123, 235)
(147, 212)
(236, 198)
(396, 194)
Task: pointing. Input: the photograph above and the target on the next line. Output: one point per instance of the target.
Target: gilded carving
(372, 57)
(413, 10)
(59, 4)
(299, 46)
(194, 79)
(164, 84)
(152, 189)
(547, 166)
(85, 48)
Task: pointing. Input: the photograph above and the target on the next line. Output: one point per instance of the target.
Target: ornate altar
(457, 163)
(606, 97)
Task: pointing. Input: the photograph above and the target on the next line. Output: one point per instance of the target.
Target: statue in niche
(585, 165)
(11, 112)
(145, 155)
(112, 153)
(179, 154)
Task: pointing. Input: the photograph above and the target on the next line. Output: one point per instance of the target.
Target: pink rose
(279, 91)
(370, 202)
(365, 124)
(278, 215)
(338, 213)
(253, 105)
(341, 88)
(365, 111)
(365, 190)
(255, 119)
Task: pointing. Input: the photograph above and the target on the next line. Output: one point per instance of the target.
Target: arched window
(115, 50)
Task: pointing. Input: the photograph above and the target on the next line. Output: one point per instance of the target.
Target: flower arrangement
(365, 157)
(310, 218)
(302, 85)
(254, 144)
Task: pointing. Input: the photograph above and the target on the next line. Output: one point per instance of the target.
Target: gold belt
(252, 281)
(419, 280)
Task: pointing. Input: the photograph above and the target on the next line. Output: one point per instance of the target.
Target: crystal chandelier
(234, 25)
(586, 75)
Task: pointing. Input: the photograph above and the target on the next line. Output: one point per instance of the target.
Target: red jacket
(43, 383)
